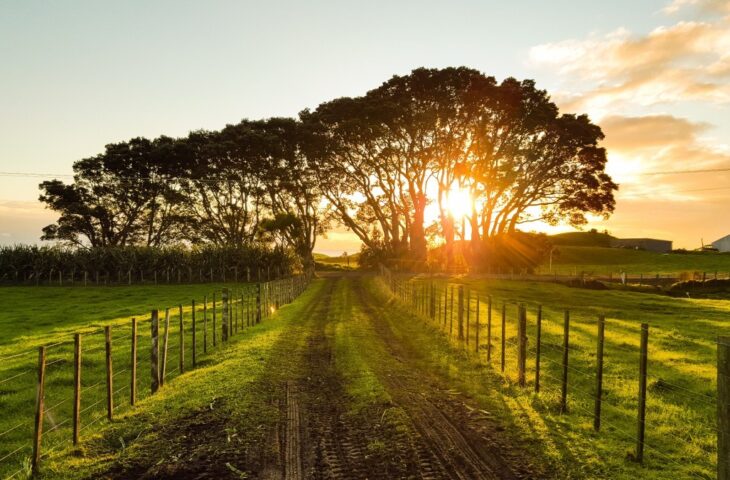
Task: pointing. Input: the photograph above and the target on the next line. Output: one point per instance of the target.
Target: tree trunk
(475, 240)
(418, 236)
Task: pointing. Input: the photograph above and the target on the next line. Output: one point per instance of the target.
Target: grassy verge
(215, 418)
(681, 437)
(35, 316)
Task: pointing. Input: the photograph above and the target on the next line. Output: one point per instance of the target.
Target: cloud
(710, 6)
(689, 60)
(622, 79)
(639, 147)
(650, 131)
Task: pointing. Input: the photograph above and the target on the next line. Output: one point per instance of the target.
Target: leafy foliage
(35, 264)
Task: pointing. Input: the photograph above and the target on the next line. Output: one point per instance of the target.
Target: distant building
(649, 244)
(723, 244)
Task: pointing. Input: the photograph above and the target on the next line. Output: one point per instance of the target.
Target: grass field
(228, 425)
(143, 433)
(349, 262)
(601, 260)
(225, 411)
(681, 409)
(35, 316)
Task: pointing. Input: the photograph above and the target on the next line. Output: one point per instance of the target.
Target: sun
(459, 203)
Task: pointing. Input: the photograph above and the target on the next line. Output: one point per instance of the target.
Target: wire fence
(674, 413)
(71, 385)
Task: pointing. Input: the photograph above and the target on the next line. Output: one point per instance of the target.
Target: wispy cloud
(640, 147)
(622, 79)
(712, 6)
(687, 61)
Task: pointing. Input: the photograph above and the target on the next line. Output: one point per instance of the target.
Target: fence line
(262, 298)
(415, 295)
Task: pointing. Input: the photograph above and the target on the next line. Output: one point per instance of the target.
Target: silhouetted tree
(123, 196)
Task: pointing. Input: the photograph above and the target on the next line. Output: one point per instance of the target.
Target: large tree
(528, 163)
(123, 196)
(220, 177)
(294, 195)
(384, 154)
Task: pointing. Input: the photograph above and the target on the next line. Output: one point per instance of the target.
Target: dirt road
(349, 399)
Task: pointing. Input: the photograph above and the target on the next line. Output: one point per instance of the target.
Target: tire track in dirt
(293, 461)
(198, 440)
(448, 446)
(334, 446)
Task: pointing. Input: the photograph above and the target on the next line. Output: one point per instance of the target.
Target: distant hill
(604, 260)
(324, 260)
(582, 239)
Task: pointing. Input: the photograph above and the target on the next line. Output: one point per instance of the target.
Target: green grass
(226, 391)
(232, 387)
(601, 260)
(355, 352)
(681, 405)
(35, 316)
(349, 262)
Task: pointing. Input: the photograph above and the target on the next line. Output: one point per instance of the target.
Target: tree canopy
(388, 165)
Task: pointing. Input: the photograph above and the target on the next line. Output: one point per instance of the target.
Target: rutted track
(335, 446)
(312, 431)
(448, 446)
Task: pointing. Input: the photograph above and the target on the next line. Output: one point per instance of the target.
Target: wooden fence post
(224, 320)
(165, 340)
(566, 346)
(77, 388)
(432, 302)
(538, 339)
(109, 373)
(451, 314)
(522, 343)
(504, 329)
(205, 324)
(446, 305)
(489, 328)
(468, 313)
(234, 313)
(258, 303)
(214, 321)
(723, 408)
(154, 354)
(39, 412)
(641, 424)
(476, 332)
(182, 341)
(195, 363)
(599, 373)
(133, 361)
(461, 313)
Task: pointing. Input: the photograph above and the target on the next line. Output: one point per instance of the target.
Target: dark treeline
(376, 164)
(246, 185)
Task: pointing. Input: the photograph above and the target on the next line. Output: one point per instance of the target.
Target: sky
(654, 74)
